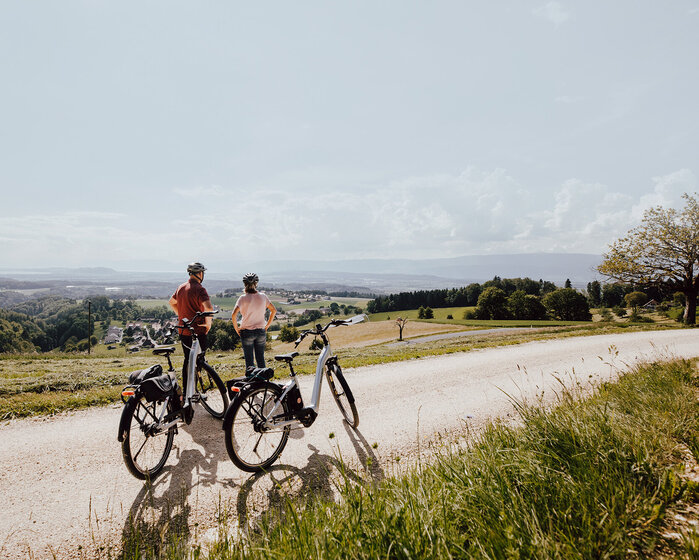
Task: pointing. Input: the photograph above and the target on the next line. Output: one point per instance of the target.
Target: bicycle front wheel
(250, 445)
(342, 394)
(212, 391)
(145, 450)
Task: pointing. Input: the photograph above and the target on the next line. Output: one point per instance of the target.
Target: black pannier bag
(159, 388)
(139, 376)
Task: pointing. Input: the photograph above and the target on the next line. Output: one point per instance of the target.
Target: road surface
(63, 484)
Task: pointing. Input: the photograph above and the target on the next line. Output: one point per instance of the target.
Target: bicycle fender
(125, 415)
(228, 415)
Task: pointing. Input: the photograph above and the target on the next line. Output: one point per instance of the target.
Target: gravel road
(66, 492)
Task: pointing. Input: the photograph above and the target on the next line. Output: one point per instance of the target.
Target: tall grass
(588, 479)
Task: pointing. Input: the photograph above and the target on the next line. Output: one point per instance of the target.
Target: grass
(39, 384)
(593, 478)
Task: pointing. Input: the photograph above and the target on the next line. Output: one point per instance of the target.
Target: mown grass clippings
(588, 479)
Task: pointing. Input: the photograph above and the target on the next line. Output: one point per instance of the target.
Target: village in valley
(293, 307)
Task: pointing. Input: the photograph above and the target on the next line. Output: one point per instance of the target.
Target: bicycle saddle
(139, 376)
(163, 350)
(286, 357)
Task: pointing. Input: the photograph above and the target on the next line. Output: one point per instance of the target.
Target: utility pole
(89, 326)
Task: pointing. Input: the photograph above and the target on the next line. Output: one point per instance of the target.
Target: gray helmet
(195, 268)
(250, 278)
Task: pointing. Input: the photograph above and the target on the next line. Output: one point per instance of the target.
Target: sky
(148, 134)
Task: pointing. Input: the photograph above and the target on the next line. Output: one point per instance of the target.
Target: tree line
(522, 298)
(466, 296)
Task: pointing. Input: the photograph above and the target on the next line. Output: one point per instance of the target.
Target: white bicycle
(152, 409)
(261, 413)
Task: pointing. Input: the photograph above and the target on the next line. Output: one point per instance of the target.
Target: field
(41, 384)
(226, 304)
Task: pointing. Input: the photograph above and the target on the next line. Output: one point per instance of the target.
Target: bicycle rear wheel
(145, 451)
(250, 446)
(342, 394)
(212, 391)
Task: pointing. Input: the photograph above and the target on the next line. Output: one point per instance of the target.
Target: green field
(440, 316)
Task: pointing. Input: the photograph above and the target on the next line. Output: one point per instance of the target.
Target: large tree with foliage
(663, 250)
(567, 304)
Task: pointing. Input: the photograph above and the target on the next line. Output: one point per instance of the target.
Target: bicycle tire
(145, 455)
(343, 398)
(251, 449)
(212, 391)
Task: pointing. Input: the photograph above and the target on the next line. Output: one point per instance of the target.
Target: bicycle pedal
(196, 398)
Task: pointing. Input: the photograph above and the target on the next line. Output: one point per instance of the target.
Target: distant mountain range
(361, 275)
(557, 267)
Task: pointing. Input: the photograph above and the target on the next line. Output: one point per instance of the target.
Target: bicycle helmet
(195, 268)
(250, 278)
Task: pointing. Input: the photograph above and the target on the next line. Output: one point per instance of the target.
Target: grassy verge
(597, 478)
(39, 384)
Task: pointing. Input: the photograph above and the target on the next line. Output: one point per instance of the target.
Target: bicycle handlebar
(188, 323)
(319, 329)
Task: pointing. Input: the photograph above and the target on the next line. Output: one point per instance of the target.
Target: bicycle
(261, 413)
(153, 411)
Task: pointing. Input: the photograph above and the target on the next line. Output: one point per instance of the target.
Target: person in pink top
(253, 306)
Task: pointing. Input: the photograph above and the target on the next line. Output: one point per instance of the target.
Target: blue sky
(150, 134)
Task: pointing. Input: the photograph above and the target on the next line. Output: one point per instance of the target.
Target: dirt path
(63, 484)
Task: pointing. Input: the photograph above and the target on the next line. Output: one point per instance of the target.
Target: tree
(594, 293)
(400, 322)
(612, 295)
(567, 304)
(664, 249)
(525, 306)
(492, 304)
(635, 300)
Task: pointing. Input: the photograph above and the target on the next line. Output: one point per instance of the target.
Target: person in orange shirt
(188, 299)
(253, 307)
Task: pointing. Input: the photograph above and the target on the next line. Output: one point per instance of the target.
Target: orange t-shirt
(190, 298)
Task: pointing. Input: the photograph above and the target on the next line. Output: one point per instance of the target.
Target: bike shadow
(322, 478)
(160, 515)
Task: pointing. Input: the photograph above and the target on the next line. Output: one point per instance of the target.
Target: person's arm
(206, 305)
(173, 304)
(272, 313)
(234, 318)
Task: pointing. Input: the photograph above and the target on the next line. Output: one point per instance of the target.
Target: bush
(619, 311)
(288, 333)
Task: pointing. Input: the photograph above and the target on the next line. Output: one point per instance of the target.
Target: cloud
(554, 12)
(440, 215)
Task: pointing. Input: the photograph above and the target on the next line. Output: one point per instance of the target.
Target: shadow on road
(322, 478)
(161, 516)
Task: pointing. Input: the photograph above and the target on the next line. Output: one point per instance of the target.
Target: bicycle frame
(194, 353)
(325, 355)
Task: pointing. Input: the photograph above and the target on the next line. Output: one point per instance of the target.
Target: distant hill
(358, 275)
(556, 267)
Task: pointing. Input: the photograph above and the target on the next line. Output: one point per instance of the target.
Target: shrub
(619, 311)
(288, 333)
